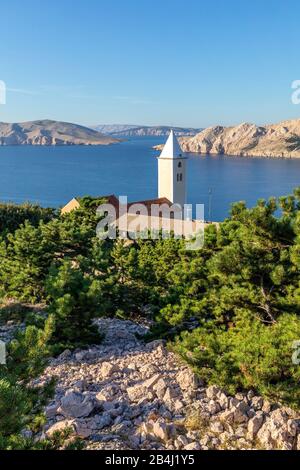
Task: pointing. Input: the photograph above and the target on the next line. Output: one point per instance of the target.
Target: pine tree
(74, 301)
(21, 403)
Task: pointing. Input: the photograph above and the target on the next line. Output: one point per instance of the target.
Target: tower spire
(172, 148)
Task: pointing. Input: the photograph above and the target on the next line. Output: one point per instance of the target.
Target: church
(167, 211)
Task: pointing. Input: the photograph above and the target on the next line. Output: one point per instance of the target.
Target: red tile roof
(114, 201)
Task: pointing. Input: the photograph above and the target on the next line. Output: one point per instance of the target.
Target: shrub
(21, 403)
(248, 355)
(75, 300)
(25, 258)
(14, 215)
(27, 254)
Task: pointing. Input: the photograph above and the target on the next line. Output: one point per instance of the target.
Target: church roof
(149, 202)
(114, 201)
(172, 148)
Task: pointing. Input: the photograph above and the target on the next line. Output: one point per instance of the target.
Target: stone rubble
(127, 394)
(8, 330)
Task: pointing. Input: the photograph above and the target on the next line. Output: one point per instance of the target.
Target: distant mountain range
(272, 140)
(131, 130)
(110, 129)
(48, 132)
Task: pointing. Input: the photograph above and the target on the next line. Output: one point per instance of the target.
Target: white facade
(172, 172)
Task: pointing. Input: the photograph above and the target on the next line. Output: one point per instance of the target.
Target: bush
(25, 258)
(75, 300)
(246, 300)
(27, 254)
(13, 215)
(21, 403)
(248, 355)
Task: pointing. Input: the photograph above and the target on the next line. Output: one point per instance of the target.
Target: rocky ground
(127, 394)
(8, 331)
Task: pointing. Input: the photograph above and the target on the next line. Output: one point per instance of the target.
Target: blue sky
(189, 63)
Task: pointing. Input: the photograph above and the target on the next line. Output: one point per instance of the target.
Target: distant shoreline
(62, 145)
(159, 148)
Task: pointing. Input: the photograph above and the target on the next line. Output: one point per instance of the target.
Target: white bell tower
(172, 172)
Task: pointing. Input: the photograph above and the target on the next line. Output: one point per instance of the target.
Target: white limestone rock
(82, 428)
(170, 395)
(107, 369)
(76, 405)
(60, 427)
(136, 393)
(254, 425)
(149, 384)
(187, 380)
(217, 427)
(161, 431)
(103, 420)
(51, 410)
(212, 392)
(192, 446)
(257, 403)
(160, 388)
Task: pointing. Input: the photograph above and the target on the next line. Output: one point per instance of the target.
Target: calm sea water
(51, 176)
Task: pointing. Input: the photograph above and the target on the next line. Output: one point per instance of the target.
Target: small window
(179, 165)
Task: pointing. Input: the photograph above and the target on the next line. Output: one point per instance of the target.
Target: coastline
(247, 155)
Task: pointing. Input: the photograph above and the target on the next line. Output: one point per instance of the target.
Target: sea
(51, 176)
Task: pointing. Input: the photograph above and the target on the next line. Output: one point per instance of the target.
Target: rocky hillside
(128, 394)
(48, 132)
(114, 129)
(141, 131)
(275, 140)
